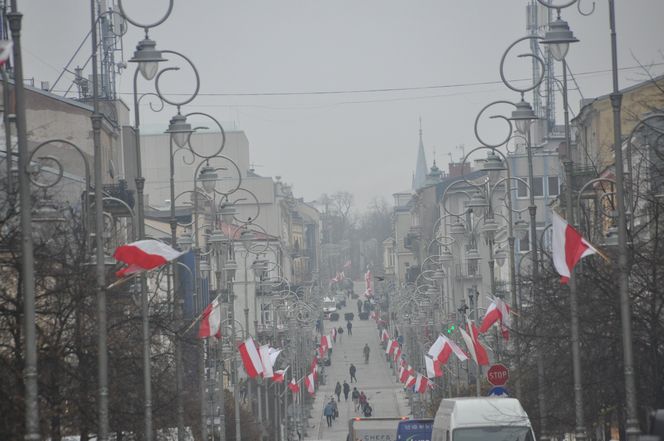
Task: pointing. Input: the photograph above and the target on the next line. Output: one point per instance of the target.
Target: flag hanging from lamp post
(569, 247)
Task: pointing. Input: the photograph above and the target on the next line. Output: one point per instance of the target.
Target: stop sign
(498, 374)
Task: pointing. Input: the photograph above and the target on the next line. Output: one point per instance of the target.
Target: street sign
(498, 391)
(498, 375)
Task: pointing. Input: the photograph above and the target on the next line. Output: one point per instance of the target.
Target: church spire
(421, 165)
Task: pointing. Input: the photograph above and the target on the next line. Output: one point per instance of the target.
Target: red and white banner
(367, 280)
(498, 311)
(264, 352)
(325, 342)
(251, 360)
(405, 373)
(397, 353)
(279, 375)
(309, 383)
(211, 321)
(568, 247)
(392, 345)
(293, 386)
(434, 367)
(144, 255)
(475, 348)
(314, 365)
(410, 381)
(421, 384)
(443, 347)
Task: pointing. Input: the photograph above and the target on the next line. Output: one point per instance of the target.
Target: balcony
(464, 272)
(122, 192)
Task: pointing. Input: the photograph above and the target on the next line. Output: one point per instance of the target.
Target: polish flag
(384, 336)
(410, 381)
(6, 47)
(250, 358)
(325, 342)
(211, 321)
(498, 311)
(421, 383)
(333, 333)
(266, 362)
(314, 365)
(388, 346)
(475, 348)
(443, 347)
(392, 345)
(568, 247)
(144, 255)
(309, 383)
(293, 386)
(405, 373)
(397, 353)
(280, 375)
(434, 367)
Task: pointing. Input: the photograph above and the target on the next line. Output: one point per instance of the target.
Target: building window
(554, 186)
(524, 244)
(537, 187)
(522, 188)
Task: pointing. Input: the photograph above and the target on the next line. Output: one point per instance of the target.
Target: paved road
(385, 394)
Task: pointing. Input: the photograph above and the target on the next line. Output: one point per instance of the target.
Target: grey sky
(365, 143)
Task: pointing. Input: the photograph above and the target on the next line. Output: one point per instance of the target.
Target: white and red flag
(309, 382)
(6, 47)
(405, 373)
(333, 333)
(367, 280)
(498, 311)
(268, 359)
(144, 255)
(434, 367)
(421, 384)
(392, 346)
(410, 381)
(211, 321)
(475, 348)
(280, 375)
(568, 247)
(325, 342)
(443, 347)
(251, 360)
(397, 353)
(293, 386)
(314, 365)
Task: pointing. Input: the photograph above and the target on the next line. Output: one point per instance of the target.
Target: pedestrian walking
(335, 409)
(340, 333)
(366, 351)
(349, 326)
(346, 390)
(328, 411)
(352, 371)
(337, 391)
(356, 398)
(359, 306)
(367, 410)
(362, 401)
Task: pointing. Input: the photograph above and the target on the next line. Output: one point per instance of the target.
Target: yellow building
(594, 123)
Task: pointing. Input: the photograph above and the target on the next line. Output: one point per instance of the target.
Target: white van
(481, 419)
(329, 306)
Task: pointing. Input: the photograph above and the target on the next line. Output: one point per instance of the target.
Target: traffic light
(451, 329)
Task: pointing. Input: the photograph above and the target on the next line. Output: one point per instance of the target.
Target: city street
(385, 395)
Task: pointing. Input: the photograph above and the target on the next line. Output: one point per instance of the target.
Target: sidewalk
(385, 395)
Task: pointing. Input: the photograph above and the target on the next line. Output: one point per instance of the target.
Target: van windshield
(494, 433)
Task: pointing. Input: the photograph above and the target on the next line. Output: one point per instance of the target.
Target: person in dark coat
(337, 391)
(352, 371)
(349, 326)
(346, 390)
(359, 306)
(328, 411)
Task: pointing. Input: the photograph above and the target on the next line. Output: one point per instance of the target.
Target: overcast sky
(363, 142)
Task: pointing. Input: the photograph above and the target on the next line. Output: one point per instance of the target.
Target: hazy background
(363, 142)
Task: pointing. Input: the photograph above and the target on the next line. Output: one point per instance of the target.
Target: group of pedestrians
(361, 402)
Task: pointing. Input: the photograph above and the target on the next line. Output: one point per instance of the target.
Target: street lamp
(147, 57)
(558, 37)
(523, 116)
(179, 129)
